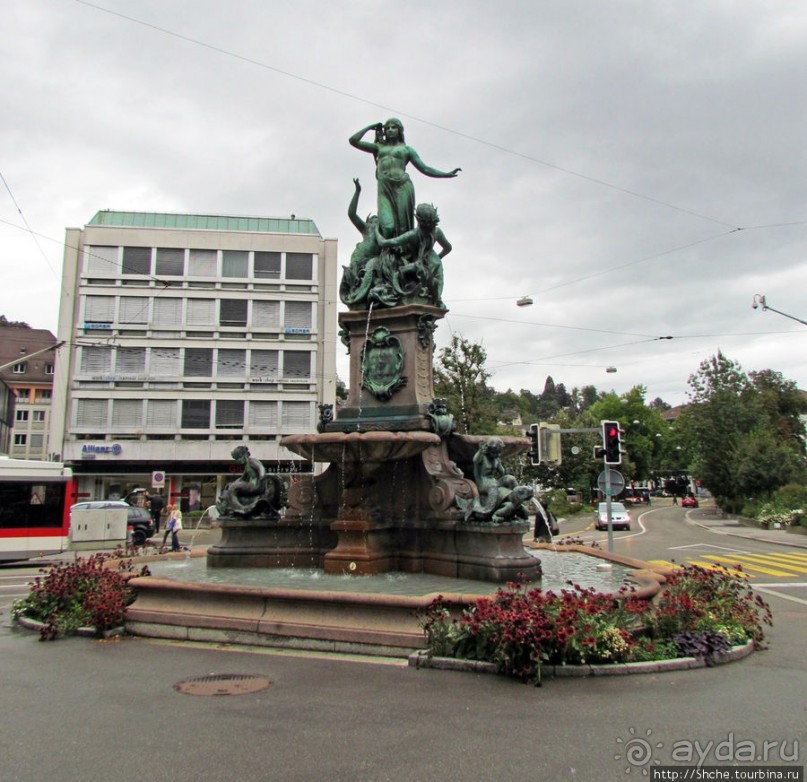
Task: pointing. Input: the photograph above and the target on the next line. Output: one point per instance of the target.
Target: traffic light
(612, 442)
(549, 448)
(532, 434)
(545, 444)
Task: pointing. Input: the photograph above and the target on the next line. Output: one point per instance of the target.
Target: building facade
(185, 336)
(27, 359)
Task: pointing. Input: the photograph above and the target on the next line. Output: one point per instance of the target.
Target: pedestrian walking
(173, 525)
(156, 505)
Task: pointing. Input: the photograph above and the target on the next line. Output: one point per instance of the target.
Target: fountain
(403, 492)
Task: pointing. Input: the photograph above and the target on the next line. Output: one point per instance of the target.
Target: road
(665, 534)
(81, 710)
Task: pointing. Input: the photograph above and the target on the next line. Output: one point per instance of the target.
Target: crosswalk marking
(664, 563)
(782, 564)
(779, 562)
(751, 563)
(701, 563)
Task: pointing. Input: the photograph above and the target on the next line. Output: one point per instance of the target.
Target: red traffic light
(611, 442)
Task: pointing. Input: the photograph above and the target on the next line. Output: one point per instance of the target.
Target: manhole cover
(223, 684)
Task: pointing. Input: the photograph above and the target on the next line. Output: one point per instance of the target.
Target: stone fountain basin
(377, 446)
(365, 623)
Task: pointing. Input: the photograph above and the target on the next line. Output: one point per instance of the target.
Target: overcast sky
(638, 169)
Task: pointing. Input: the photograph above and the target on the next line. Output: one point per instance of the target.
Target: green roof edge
(205, 222)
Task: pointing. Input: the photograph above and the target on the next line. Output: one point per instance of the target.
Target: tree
(743, 433)
(13, 324)
(642, 428)
(461, 378)
(341, 389)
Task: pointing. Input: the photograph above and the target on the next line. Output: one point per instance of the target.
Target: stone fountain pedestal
(387, 500)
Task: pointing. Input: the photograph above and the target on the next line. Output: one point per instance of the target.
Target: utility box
(97, 527)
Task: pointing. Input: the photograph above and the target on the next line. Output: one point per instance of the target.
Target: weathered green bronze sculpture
(396, 193)
(395, 262)
(254, 493)
(500, 499)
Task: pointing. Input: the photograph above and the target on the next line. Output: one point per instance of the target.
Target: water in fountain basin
(559, 568)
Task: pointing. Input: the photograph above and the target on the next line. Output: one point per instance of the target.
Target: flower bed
(72, 597)
(701, 614)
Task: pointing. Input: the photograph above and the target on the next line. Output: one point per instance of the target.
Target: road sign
(157, 479)
(617, 481)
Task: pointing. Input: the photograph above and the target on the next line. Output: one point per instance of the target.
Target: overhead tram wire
(610, 269)
(551, 325)
(392, 110)
(30, 231)
(543, 359)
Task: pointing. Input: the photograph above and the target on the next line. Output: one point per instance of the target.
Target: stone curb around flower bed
(421, 659)
(84, 632)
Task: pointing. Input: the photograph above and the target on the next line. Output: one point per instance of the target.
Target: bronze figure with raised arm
(396, 193)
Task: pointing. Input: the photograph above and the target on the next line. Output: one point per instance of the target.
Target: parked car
(139, 521)
(620, 518)
(689, 501)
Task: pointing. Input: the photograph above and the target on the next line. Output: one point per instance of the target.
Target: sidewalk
(713, 519)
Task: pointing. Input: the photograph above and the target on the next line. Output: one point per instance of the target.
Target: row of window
(36, 415)
(22, 367)
(34, 441)
(102, 260)
(258, 366)
(41, 395)
(125, 414)
(172, 312)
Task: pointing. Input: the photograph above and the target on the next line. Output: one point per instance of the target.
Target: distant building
(187, 335)
(7, 400)
(30, 377)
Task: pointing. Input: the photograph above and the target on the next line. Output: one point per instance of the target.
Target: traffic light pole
(610, 526)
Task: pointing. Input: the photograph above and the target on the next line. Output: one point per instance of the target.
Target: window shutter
(296, 415)
(99, 309)
(296, 364)
(298, 315)
(202, 263)
(101, 261)
(299, 266)
(131, 361)
(133, 309)
(231, 363)
(234, 263)
(263, 414)
(266, 315)
(96, 361)
(164, 363)
(91, 413)
(229, 414)
(162, 414)
(167, 313)
(127, 413)
(201, 312)
(264, 364)
(198, 362)
(170, 262)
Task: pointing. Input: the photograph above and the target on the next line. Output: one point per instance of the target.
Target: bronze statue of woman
(396, 193)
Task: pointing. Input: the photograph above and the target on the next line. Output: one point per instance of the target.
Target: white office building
(187, 335)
